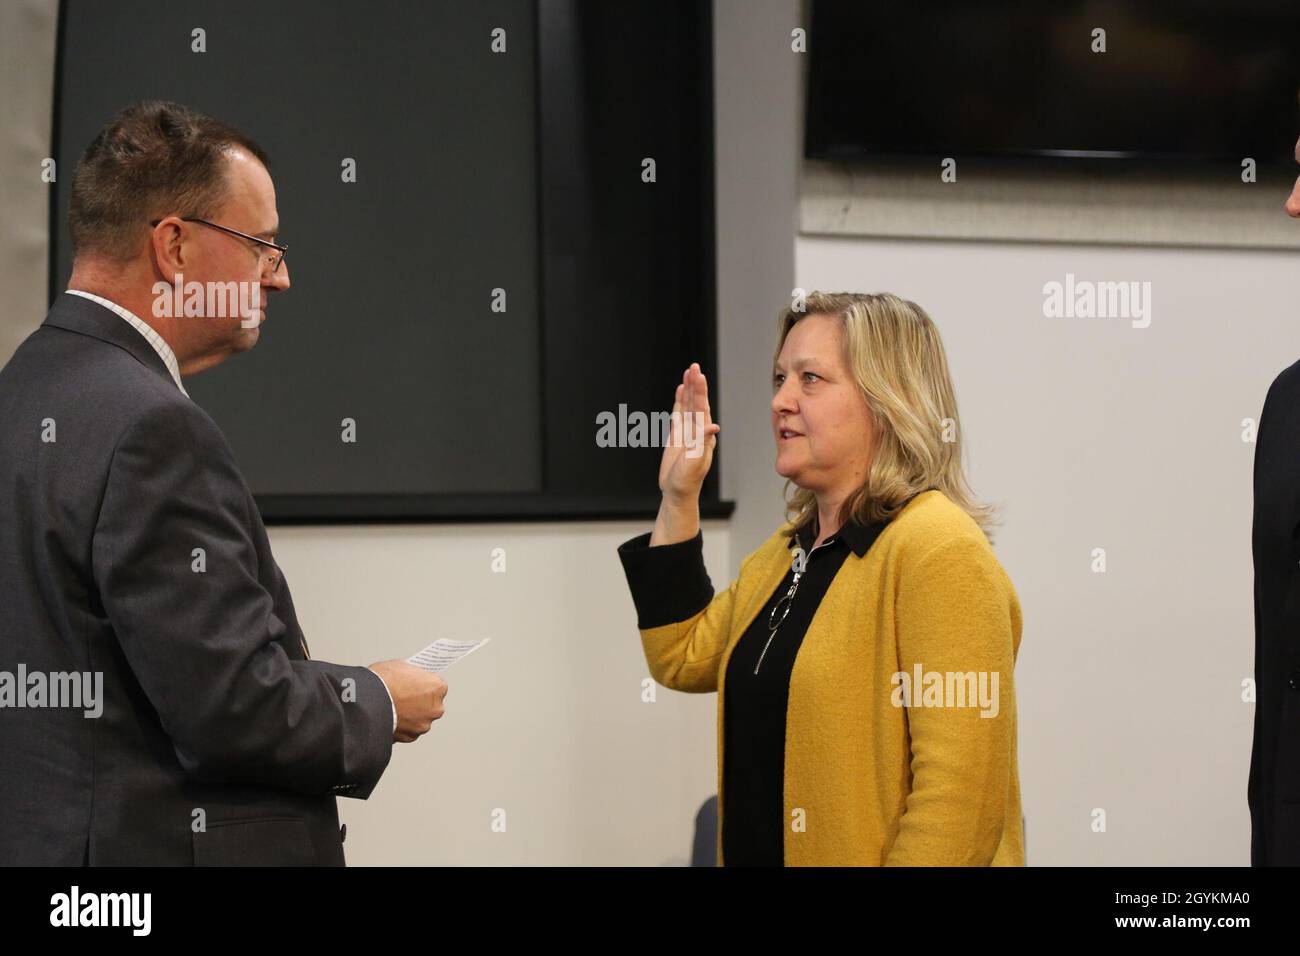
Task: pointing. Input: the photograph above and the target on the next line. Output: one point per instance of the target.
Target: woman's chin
(787, 469)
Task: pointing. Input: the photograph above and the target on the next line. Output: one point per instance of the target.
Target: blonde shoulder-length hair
(897, 359)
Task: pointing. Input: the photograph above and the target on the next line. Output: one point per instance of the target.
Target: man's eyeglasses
(274, 261)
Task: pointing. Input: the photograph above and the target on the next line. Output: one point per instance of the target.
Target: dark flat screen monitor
(1194, 80)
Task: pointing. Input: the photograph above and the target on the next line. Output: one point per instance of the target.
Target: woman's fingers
(674, 426)
(702, 394)
(692, 396)
(690, 379)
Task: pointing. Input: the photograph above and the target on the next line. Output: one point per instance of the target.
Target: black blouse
(669, 584)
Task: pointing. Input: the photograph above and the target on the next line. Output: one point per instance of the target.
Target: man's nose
(277, 281)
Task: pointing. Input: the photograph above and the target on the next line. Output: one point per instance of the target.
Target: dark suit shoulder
(74, 374)
(110, 410)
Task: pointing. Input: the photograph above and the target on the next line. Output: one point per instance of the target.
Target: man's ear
(167, 247)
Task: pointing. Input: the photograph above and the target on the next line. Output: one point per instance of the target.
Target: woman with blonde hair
(864, 657)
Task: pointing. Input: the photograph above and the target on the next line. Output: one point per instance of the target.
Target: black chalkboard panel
(476, 171)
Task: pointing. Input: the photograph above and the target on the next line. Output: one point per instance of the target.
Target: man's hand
(417, 695)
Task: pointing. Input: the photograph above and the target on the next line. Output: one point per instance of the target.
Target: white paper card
(442, 653)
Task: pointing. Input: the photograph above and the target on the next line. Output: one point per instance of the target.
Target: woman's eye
(808, 376)
(778, 381)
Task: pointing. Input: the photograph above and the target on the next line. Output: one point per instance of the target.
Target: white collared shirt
(144, 328)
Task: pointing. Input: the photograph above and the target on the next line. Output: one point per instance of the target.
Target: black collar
(858, 537)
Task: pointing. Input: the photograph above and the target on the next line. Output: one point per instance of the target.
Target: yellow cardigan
(868, 780)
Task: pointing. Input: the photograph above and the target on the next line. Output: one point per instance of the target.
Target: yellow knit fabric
(868, 781)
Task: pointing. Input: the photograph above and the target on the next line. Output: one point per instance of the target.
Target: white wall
(27, 40)
(546, 722)
(758, 140)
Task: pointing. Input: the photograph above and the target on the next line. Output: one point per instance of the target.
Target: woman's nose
(782, 401)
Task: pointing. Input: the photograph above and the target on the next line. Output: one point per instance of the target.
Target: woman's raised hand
(686, 460)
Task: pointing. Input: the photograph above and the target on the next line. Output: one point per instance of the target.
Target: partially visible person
(1293, 201)
(1273, 788)
(134, 566)
(833, 747)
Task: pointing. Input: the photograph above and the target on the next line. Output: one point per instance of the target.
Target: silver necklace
(787, 601)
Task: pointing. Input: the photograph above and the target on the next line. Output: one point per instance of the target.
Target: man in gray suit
(158, 704)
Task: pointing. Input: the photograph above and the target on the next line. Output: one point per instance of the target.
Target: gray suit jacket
(219, 740)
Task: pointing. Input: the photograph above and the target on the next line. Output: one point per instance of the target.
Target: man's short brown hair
(153, 159)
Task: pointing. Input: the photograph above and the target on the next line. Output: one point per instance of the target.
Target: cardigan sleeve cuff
(668, 582)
